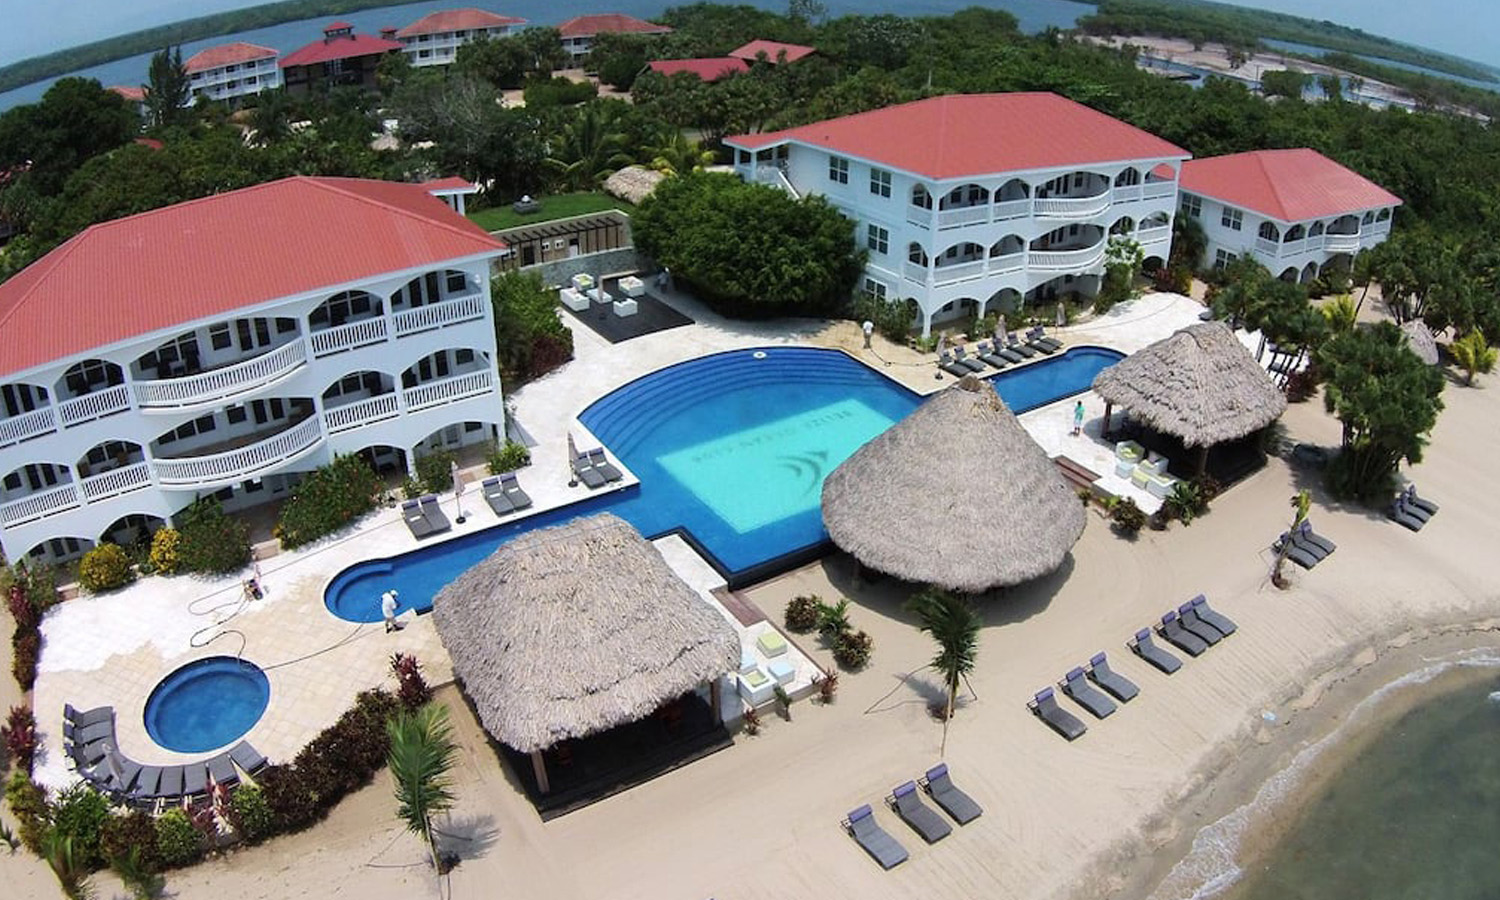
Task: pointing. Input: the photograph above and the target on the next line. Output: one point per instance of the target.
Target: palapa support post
(1202, 458)
(1104, 432)
(715, 699)
(539, 769)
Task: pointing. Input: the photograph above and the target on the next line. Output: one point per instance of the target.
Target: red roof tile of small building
(709, 69)
(1288, 185)
(150, 143)
(149, 272)
(773, 51)
(330, 49)
(450, 183)
(960, 135)
(588, 26)
(337, 26)
(449, 20)
(226, 54)
(133, 94)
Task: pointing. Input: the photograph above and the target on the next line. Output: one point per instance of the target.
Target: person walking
(1078, 418)
(868, 328)
(388, 611)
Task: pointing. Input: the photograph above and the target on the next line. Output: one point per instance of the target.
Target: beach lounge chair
(961, 357)
(88, 717)
(1005, 352)
(1044, 706)
(1312, 540)
(1145, 647)
(1037, 337)
(1295, 551)
(517, 497)
(88, 734)
(987, 353)
(194, 779)
(247, 757)
(1299, 540)
(221, 771)
(1014, 343)
(1218, 620)
(1179, 637)
(1077, 686)
(1188, 616)
(433, 512)
(494, 495)
(146, 783)
(120, 773)
(908, 804)
(584, 469)
(1420, 503)
(1403, 515)
(170, 786)
(885, 850)
(1117, 685)
(411, 514)
(603, 466)
(947, 364)
(960, 806)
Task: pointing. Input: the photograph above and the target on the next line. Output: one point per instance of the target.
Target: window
(1232, 218)
(838, 169)
(1223, 258)
(463, 357)
(874, 289)
(285, 325)
(1192, 205)
(424, 54)
(456, 282)
(235, 414)
(218, 336)
(878, 239)
(880, 182)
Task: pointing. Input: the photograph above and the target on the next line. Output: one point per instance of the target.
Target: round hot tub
(207, 704)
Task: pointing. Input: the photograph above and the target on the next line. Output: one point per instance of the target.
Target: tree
(675, 153)
(1122, 260)
(749, 249)
(1188, 243)
(1301, 503)
(503, 62)
(167, 93)
(421, 757)
(530, 339)
(1473, 354)
(953, 623)
(1333, 87)
(806, 12)
(1387, 400)
(544, 50)
(590, 148)
(46, 142)
(1288, 83)
(1340, 313)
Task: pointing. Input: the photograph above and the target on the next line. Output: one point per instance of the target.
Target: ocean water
(1310, 50)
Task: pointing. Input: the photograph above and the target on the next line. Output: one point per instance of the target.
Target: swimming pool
(207, 704)
(731, 451)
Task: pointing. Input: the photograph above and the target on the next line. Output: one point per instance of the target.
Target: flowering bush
(211, 541)
(327, 500)
(104, 568)
(164, 550)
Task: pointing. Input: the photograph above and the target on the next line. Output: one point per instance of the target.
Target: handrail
(348, 336)
(42, 503)
(94, 406)
(220, 384)
(448, 390)
(116, 481)
(437, 315)
(27, 425)
(360, 412)
(234, 464)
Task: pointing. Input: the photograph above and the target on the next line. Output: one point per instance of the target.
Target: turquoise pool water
(731, 451)
(207, 704)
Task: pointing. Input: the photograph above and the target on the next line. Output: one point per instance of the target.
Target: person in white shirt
(388, 610)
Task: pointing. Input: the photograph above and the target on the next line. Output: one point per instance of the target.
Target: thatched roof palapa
(957, 494)
(1419, 338)
(633, 184)
(568, 631)
(1199, 384)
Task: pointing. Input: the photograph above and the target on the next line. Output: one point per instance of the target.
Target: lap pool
(731, 451)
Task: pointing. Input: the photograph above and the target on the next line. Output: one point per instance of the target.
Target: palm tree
(676, 154)
(954, 624)
(590, 149)
(67, 864)
(1340, 313)
(1473, 354)
(1301, 503)
(421, 755)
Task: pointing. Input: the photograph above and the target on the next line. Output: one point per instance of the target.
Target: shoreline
(1230, 822)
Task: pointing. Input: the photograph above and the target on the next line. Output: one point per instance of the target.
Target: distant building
(1297, 211)
(773, 51)
(230, 71)
(710, 69)
(135, 96)
(972, 203)
(578, 33)
(340, 58)
(434, 39)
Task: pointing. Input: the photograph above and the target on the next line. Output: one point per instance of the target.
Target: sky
(1463, 27)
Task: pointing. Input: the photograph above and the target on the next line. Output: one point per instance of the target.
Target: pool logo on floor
(808, 467)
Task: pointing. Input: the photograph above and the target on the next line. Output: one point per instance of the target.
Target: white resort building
(976, 202)
(232, 70)
(578, 33)
(434, 39)
(1297, 210)
(226, 345)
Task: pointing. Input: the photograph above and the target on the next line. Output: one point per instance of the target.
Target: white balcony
(348, 337)
(1012, 209)
(1054, 260)
(965, 215)
(27, 426)
(1155, 190)
(1341, 243)
(1010, 262)
(221, 384)
(917, 272)
(361, 412)
(35, 506)
(1127, 193)
(1071, 207)
(116, 482)
(919, 216)
(449, 390)
(1268, 246)
(94, 406)
(1292, 248)
(437, 315)
(958, 272)
(240, 463)
(1148, 236)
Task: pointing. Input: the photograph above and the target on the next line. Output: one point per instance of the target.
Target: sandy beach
(1107, 816)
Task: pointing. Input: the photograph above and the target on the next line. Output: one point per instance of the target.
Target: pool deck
(113, 649)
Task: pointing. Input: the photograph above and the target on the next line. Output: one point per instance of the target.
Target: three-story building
(229, 71)
(434, 39)
(227, 345)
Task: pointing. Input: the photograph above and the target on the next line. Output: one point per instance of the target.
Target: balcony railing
(1127, 193)
(1010, 262)
(348, 337)
(116, 482)
(361, 412)
(27, 425)
(917, 272)
(42, 503)
(958, 272)
(1268, 246)
(966, 215)
(221, 384)
(1048, 207)
(1071, 207)
(243, 462)
(919, 216)
(448, 390)
(437, 315)
(1065, 259)
(1153, 190)
(1155, 235)
(1341, 243)
(1012, 209)
(94, 406)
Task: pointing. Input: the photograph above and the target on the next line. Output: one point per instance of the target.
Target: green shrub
(559, 91)
(164, 550)
(340, 759)
(1127, 517)
(833, 620)
(26, 647)
(327, 500)
(130, 831)
(290, 796)
(179, 843)
(411, 489)
(104, 568)
(853, 648)
(80, 813)
(530, 339)
(508, 457)
(435, 471)
(1184, 502)
(802, 613)
(250, 813)
(892, 318)
(211, 541)
(28, 803)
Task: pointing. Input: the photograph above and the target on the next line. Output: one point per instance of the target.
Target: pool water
(731, 451)
(207, 704)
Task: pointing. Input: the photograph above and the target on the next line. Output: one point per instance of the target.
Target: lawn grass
(557, 206)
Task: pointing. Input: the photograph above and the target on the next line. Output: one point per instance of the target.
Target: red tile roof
(773, 50)
(339, 48)
(133, 94)
(1289, 185)
(588, 26)
(710, 69)
(450, 183)
(150, 272)
(226, 54)
(962, 135)
(448, 20)
(150, 143)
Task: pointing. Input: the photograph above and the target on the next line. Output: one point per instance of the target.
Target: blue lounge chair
(1117, 685)
(88, 717)
(1143, 646)
(1188, 616)
(494, 495)
(885, 849)
(908, 804)
(1218, 620)
(517, 497)
(247, 757)
(1076, 685)
(1044, 706)
(1179, 637)
(956, 369)
(944, 793)
(987, 353)
(962, 357)
(433, 512)
(603, 466)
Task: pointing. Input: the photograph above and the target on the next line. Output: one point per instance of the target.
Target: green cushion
(771, 643)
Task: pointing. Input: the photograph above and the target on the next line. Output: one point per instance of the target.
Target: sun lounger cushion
(1144, 647)
(945, 794)
(194, 779)
(1421, 503)
(433, 512)
(1045, 707)
(247, 757)
(146, 782)
(411, 513)
(1117, 685)
(1179, 637)
(862, 826)
(495, 497)
(603, 466)
(962, 358)
(988, 354)
(88, 717)
(1075, 685)
(947, 364)
(1294, 552)
(1217, 619)
(1398, 513)
(771, 643)
(518, 498)
(909, 806)
(586, 472)
(1311, 539)
(221, 770)
(1196, 626)
(171, 782)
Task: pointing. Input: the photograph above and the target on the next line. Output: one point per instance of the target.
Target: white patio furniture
(600, 295)
(755, 686)
(573, 299)
(782, 670)
(582, 282)
(632, 286)
(625, 307)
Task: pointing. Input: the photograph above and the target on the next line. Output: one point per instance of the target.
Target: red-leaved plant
(19, 736)
(413, 691)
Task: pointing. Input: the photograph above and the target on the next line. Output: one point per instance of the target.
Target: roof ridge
(331, 183)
